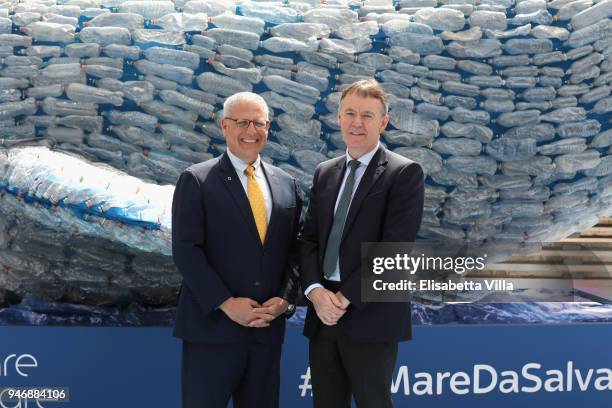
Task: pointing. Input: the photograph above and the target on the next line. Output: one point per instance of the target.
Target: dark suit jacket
(217, 249)
(387, 207)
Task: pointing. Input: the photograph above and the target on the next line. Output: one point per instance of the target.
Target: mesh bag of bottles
(505, 104)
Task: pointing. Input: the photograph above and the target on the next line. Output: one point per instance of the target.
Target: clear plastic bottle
(89, 124)
(518, 118)
(128, 52)
(280, 44)
(588, 34)
(490, 20)
(334, 18)
(102, 71)
(498, 105)
(480, 165)
(356, 30)
(138, 91)
(15, 40)
(564, 115)
(105, 36)
(283, 86)
(182, 22)
(10, 110)
(241, 23)
(82, 50)
(517, 46)
(175, 134)
(540, 132)
(457, 146)
(221, 85)
(170, 113)
(84, 93)
(131, 21)
(566, 146)
(59, 107)
(170, 56)
(441, 19)
(591, 15)
(584, 129)
(181, 75)
(274, 61)
(149, 10)
(418, 43)
(541, 17)
(551, 32)
(471, 116)
(241, 39)
(50, 32)
(132, 118)
(205, 110)
(288, 105)
(300, 31)
(569, 163)
(506, 149)
(139, 137)
(270, 13)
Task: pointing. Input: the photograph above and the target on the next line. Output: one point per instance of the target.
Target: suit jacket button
(256, 283)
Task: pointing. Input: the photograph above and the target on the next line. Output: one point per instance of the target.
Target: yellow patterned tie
(257, 202)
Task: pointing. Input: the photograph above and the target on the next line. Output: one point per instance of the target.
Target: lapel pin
(229, 179)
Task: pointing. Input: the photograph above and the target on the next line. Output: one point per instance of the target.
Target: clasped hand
(249, 313)
(330, 306)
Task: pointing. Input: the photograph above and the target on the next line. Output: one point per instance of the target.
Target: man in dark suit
(234, 234)
(368, 195)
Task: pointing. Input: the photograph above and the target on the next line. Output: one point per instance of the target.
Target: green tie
(335, 236)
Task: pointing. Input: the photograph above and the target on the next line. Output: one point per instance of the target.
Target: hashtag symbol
(305, 386)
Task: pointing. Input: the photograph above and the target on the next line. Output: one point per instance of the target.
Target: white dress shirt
(363, 164)
(240, 167)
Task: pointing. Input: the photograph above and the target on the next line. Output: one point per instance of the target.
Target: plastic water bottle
(506, 149)
(81, 50)
(280, 44)
(453, 101)
(203, 53)
(459, 88)
(132, 118)
(175, 98)
(569, 163)
(10, 110)
(498, 105)
(551, 32)
(591, 16)
(149, 10)
(175, 134)
(355, 30)
(457, 146)
(288, 105)
(128, 52)
(565, 115)
(334, 18)
(173, 57)
(236, 38)
(492, 81)
(138, 91)
(589, 34)
(566, 146)
(240, 23)
(170, 113)
(300, 31)
(274, 61)
(15, 40)
(441, 19)
(490, 20)
(549, 58)
(182, 22)
(270, 13)
(483, 48)
(471, 116)
(138, 137)
(159, 83)
(131, 21)
(511, 119)
(480, 165)
(283, 86)
(91, 124)
(517, 46)
(418, 43)
(105, 36)
(221, 85)
(51, 32)
(535, 166)
(60, 74)
(84, 93)
(181, 75)
(102, 71)
(584, 129)
(541, 17)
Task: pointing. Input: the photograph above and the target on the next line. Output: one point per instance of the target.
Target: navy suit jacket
(387, 207)
(217, 249)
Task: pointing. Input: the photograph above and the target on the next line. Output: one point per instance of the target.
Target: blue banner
(444, 366)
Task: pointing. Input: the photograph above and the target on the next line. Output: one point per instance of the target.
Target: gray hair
(231, 102)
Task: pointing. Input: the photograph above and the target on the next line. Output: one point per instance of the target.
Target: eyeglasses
(245, 123)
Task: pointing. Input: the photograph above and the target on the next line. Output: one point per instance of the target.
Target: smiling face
(245, 143)
(362, 120)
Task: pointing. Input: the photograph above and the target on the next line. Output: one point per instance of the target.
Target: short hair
(236, 98)
(367, 88)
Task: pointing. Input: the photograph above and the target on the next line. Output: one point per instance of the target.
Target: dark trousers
(247, 373)
(339, 368)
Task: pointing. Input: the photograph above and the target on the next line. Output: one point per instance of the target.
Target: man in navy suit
(368, 195)
(234, 226)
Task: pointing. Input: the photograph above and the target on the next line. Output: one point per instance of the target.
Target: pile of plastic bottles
(505, 104)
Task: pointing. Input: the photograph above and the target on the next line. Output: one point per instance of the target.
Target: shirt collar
(240, 165)
(366, 158)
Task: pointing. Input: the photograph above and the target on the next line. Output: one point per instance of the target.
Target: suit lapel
(328, 199)
(230, 179)
(374, 170)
